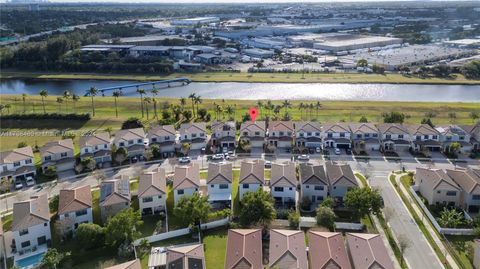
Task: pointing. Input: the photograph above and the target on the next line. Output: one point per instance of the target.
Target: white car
(184, 160)
(217, 157)
(303, 157)
(317, 150)
(337, 151)
(30, 181)
(18, 184)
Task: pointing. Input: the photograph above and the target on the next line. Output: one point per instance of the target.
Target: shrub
(293, 219)
(326, 217)
(132, 123)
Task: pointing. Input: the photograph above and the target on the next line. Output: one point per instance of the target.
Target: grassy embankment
(252, 77)
(330, 111)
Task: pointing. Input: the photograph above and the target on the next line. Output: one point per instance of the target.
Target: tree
(257, 208)
(193, 210)
(43, 94)
(454, 147)
(393, 117)
(22, 144)
(198, 100)
(293, 219)
(363, 201)
(260, 106)
(286, 104)
(326, 217)
(93, 92)
(450, 218)
(115, 95)
(53, 258)
(53, 203)
(141, 92)
(132, 123)
(66, 96)
(156, 151)
(362, 63)
(75, 99)
(192, 96)
(473, 115)
(154, 92)
(471, 70)
(318, 105)
(143, 247)
(452, 116)
(123, 227)
(187, 114)
(24, 99)
(121, 155)
(363, 119)
(403, 244)
(89, 236)
(147, 101)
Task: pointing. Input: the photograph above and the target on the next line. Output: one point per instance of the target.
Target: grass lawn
(251, 77)
(7, 222)
(173, 222)
(461, 245)
(97, 215)
(215, 248)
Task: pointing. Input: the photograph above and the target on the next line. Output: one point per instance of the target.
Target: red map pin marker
(253, 113)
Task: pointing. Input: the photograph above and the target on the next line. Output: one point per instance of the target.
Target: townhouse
(219, 184)
(469, 181)
(74, 208)
(58, 154)
(336, 135)
(133, 140)
(194, 134)
(364, 137)
(223, 135)
(134, 264)
(280, 134)
(327, 250)
(31, 225)
(152, 192)
(253, 133)
(283, 184)
(437, 187)
(114, 196)
(368, 251)
(453, 133)
(97, 146)
(252, 176)
(287, 249)
(424, 137)
(17, 164)
(314, 183)
(308, 134)
(244, 249)
(394, 137)
(186, 181)
(340, 179)
(164, 136)
(474, 132)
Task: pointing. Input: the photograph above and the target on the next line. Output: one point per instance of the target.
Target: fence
(180, 232)
(444, 231)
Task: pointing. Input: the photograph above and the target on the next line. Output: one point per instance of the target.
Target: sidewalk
(426, 222)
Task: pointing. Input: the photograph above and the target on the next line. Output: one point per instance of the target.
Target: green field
(252, 77)
(330, 111)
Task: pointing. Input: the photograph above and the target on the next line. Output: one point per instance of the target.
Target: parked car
(30, 181)
(217, 157)
(303, 157)
(18, 184)
(348, 151)
(337, 151)
(317, 150)
(268, 164)
(184, 160)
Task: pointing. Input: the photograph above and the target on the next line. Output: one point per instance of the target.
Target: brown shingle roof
(283, 175)
(336, 128)
(312, 174)
(135, 264)
(152, 183)
(308, 126)
(392, 128)
(185, 253)
(16, 155)
(433, 177)
(161, 130)
(282, 126)
(252, 172)
(74, 199)
(193, 127)
(94, 139)
(219, 173)
(340, 174)
(30, 212)
(253, 126)
(114, 191)
(287, 249)
(363, 128)
(218, 126)
(186, 177)
(244, 247)
(467, 179)
(129, 134)
(57, 147)
(368, 251)
(326, 250)
(421, 129)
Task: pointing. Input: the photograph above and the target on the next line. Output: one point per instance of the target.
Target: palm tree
(141, 92)
(269, 106)
(75, 99)
(229, 110)
(147, 100)
(44, 94)
(24, 98)
(59, 101)
(301, 107)
(116, 94)
(93, 92)
(260, 105)
(66, 96)
(286, 104)
(310, 109)
(192, 96)
(154, 92)
(177, 111)
(183, 102)
(218, 110)
(317, 107)
(198, 100)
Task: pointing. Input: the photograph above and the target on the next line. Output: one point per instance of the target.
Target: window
(307, 186)
(389, 136)
(63, 154)
(48, 158)
(140, 141)
(223, 186)
(280, 133)
(246, 133)
(329, 135)
(212, 186)
(317, 133)
(42, 240)
(342, 134)
(374, 135)
(319, 198)
(23, 232)
(16, 164)
(462, 137)
(367, 135)
(309, 133)
(359, 136)
(194, 135)
(45, 224)
(289, 133)
(159, 197)
(167, 137)
(154, 140)
(449, 138)
(319, 188)
(278, 189)
(418, 137)
(185, 136)
(122, 144)
(105, 146)
(28, 161)
(434, 137)
(130, 142)
(180, 192)
(147, 199)
(290, 188)
(475, 197)
(66, 215)
(25, 244)
(439, 191)
(81, 213)
(202, 134)
(425, 137)
(245, 186)
(400, 136)
(96, 147)
(451, 193)
(301, 134)
(257, 133)
(86, 150)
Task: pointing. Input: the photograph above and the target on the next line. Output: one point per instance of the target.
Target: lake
(265, 91)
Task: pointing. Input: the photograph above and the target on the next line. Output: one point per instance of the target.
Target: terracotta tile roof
(218, 126)
(307, 126)
(57, 147)
(219, 173)
(152, 183)
(187, 176)
(434, 177)
(312, 174)
(161, 130)
(258, 126)
(368, 251)
(244, 249)
(129, 134)
(115, 191)
(467, 179)
(30, 212)
(282, 126)
(16, 155)
(135, 264)
(283, 175)
(327, 250)
(287, 249)
(73, 200)
(363, 128)
(340, 174)
(252, 172)
(421, 129)
(195, 127)
(336, 128)
(94, 139)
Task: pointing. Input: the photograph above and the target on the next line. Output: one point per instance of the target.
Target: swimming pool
(30, 261)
